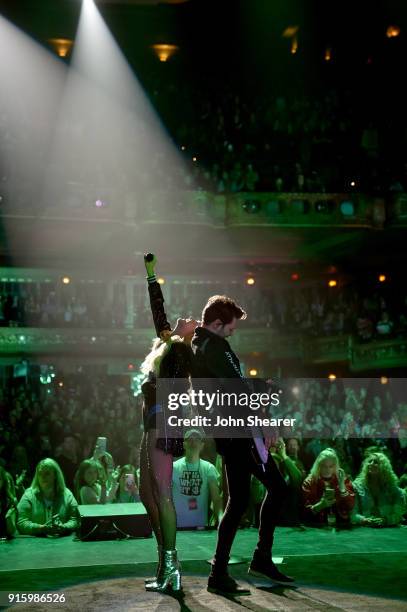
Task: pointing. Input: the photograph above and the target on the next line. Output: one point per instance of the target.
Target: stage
(360, 569)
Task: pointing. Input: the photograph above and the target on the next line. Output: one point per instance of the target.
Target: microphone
(148, 257)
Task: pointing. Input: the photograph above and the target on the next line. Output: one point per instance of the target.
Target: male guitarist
(214, 358)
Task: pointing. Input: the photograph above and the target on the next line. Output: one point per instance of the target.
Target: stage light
(250, 281)
(382, 278)
(164, 52)
(60, 384)
(352, 183)
(332, 376)
(295, 276)
(384, 380)
(100, 203)
(328, 54)
(294, 45)
(332, 283)
(194, 159)
(183, 148)
(253, 372)
(61, 46)
(290, 31)
(161, 280)
(66, 280)
(393, 31)
(295, 390)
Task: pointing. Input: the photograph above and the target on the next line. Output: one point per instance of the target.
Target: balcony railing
(228, 209)
(264, 344)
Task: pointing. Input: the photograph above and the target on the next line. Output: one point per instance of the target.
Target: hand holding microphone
(150, 261)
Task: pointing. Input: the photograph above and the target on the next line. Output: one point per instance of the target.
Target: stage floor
(360, 569)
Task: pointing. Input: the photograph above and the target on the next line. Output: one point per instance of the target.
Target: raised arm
(161, 324)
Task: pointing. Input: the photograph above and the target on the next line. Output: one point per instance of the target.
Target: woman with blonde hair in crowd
(47, 507)
(328, 494)
(380, 502)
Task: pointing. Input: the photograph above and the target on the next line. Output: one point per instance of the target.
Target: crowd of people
(232, 142)
(279, 141)
(50, 305)
(345, 465)
(313, 311)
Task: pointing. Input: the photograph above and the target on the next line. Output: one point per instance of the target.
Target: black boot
(262, 566)
(223, 583)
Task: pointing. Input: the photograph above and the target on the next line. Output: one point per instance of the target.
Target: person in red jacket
(328, 494)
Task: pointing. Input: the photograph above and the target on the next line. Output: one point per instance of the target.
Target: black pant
(240, 465)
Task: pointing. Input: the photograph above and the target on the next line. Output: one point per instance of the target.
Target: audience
(67, 456)
(328, 494)
(357, 421)
(8, 506)
(293, 475)
(91, 483)
(380, 502)
(47, 508)
(128, 489)
(195, 485)
(307, 311)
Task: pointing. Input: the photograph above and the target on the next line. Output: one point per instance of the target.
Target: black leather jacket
(215, 359)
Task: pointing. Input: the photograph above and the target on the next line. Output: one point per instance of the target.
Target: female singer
(170, 358)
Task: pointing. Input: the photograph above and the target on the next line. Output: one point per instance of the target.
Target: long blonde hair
(158, 351)
(386, 477)
(59, 482)
(327, 453)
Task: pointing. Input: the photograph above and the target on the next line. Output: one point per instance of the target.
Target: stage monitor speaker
(111, 521)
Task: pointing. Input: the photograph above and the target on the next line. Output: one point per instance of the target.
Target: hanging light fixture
(61, 46)
(164, 51)
(393, 31)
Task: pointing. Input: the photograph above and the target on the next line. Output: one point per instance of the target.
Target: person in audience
(292, 448)
(8, 505)
(327, 491)
(19, 462)
(47, 508)
(128, 490)
(67, 458)
(293, 476)
(384, 326)
(109, 470)
(90, 484)
(195, 484)
(380, 502)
